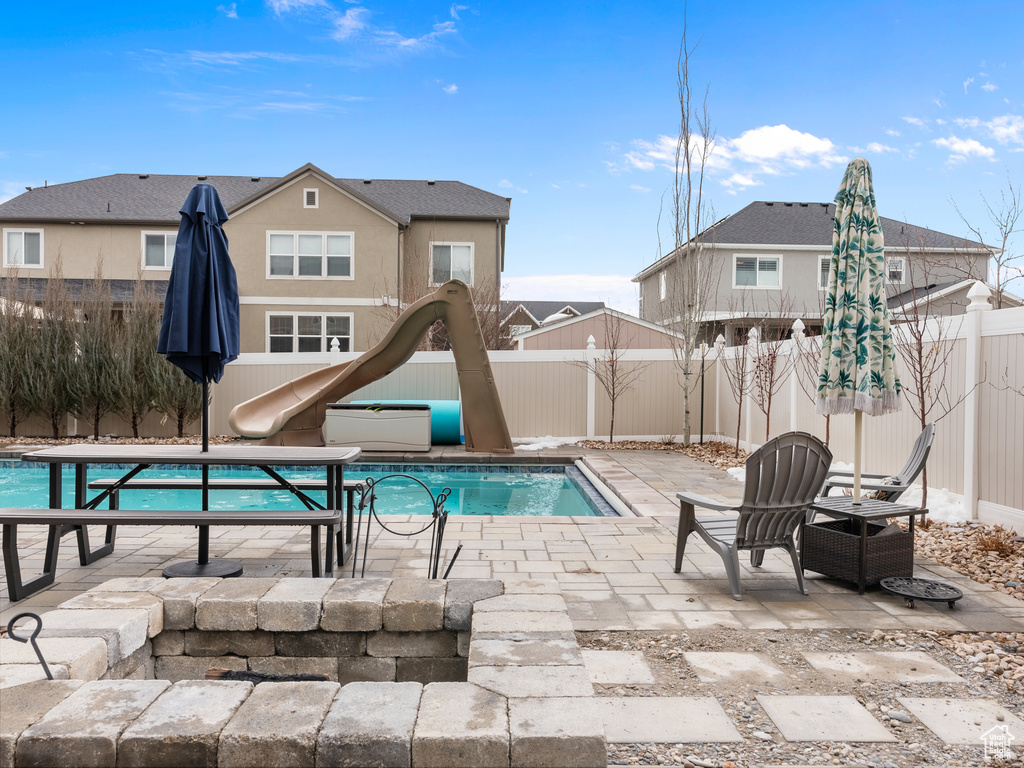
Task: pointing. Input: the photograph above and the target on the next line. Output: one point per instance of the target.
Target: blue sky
(567, 108)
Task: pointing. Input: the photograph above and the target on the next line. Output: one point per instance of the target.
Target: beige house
(606, 326)
(768, 264)
(317, 257)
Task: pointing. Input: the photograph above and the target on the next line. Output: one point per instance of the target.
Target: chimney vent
(108, 206)
(431, 183)
(255, 178)
(366, 181)
(143, 175)
(202, 178)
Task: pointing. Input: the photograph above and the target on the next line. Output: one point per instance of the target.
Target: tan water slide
(293, 413)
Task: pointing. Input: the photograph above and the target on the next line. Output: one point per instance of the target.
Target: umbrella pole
(858, 432)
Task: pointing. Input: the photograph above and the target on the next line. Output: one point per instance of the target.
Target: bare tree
(691, 275)
(1004, 218)
(926, 351)
(770, 366)
(17, 329)
(98, 365)
(806, 366)
(615, 375)
(140, 360)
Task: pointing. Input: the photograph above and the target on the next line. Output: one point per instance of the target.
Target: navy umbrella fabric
(200, 330)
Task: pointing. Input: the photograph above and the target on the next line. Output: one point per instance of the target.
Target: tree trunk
(96, 423)
(768, 422)
(686, 399)
(739, 420)
(135, 424)
(55, 425)
(181, 424)
(611, 425)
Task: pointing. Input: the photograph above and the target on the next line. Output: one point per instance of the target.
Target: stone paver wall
(421, 673)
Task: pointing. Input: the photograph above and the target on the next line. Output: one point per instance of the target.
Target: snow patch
(539, 443)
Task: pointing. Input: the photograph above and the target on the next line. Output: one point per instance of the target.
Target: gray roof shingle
(156, 198)
(769, 223)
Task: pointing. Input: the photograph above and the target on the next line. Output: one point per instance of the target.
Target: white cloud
(392, 39)
(9, 190)
(967, 122)
(638, 188)
(347, 24)
(875, 148)
(231, 11)
(962, 149)
(287, 6)
(915, 121)
(770, 150)
(506, 184)
(939, 121)
(1007, 128)
(891, 132)
(555, 186)
(989, 87)
(967, 82)
(451, 89)
(616, 291)
(740, 181)
(454, 10)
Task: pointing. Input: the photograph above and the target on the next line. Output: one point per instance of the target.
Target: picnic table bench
(62, 521)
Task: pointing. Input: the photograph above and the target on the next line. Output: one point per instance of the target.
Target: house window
(310, 255)
(824, 262)
(158, 249)
(23, 248)
(662, 286)
(451, 261)
(894, 270)
(757, 271)
(311, 198)
(302, 332)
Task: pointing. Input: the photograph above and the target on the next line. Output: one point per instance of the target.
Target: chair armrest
(832, 473)
(703, 501)
(848, 483)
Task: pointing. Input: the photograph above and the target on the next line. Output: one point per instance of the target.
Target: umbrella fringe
(889, 402)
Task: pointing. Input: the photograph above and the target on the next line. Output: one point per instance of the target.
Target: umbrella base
(191, 569)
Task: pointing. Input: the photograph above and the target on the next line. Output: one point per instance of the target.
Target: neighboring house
(522, 316)
(948, 298)
(317, 257)
(769, 263)
(575, 332)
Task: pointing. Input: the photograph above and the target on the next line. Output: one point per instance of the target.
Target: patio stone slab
(124, 630)
(87, 723)
(823, 718)
(277, 725)
(909, 667)
(532, 652)
(26, 704)
(122, 600)
(549, 732)
(617, 668)
(665, 719)
(725, 667)
(370, 724)
(521, 621)
(292, 605)
(538, 682)
(85, 658)
(520, 603)
(964, 721)
(461, 725)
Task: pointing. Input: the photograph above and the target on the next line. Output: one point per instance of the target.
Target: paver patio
(613, 573)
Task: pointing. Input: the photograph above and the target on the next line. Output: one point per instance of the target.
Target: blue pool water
(475, 490)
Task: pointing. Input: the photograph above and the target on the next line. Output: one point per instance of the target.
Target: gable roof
(908, 299)
(157, 198)
(598, 313)
(539, 310)
(810, 224)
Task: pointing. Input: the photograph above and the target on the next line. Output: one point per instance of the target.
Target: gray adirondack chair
(783, 478)
(897, 484)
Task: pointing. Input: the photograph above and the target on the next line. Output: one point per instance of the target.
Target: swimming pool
(506, 490)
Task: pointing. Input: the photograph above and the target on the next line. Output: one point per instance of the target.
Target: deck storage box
(378, 426)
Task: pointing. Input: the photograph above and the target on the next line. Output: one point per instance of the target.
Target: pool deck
(614, 573)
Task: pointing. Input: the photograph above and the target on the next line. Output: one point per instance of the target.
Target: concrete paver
(682, 719)
(617, 668)
(905, 667)
(732, 668)
(823, 718)
(963, 721)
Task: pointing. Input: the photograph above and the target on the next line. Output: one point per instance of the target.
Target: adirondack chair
(886, 487)
(783, 478)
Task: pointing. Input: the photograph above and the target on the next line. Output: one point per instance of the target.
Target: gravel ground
(763, 745)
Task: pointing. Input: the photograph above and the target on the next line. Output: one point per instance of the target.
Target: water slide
(293, 413)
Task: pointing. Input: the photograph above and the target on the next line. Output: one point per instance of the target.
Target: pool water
(475, 490)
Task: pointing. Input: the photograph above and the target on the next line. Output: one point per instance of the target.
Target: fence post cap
(979, 296)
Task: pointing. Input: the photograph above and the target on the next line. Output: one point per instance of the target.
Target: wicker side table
(850, 549)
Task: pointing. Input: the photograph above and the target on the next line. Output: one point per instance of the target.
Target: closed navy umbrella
(200, 330)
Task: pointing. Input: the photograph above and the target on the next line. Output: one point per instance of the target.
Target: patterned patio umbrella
(857, 373)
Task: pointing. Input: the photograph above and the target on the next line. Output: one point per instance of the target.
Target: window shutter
(311, 198)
